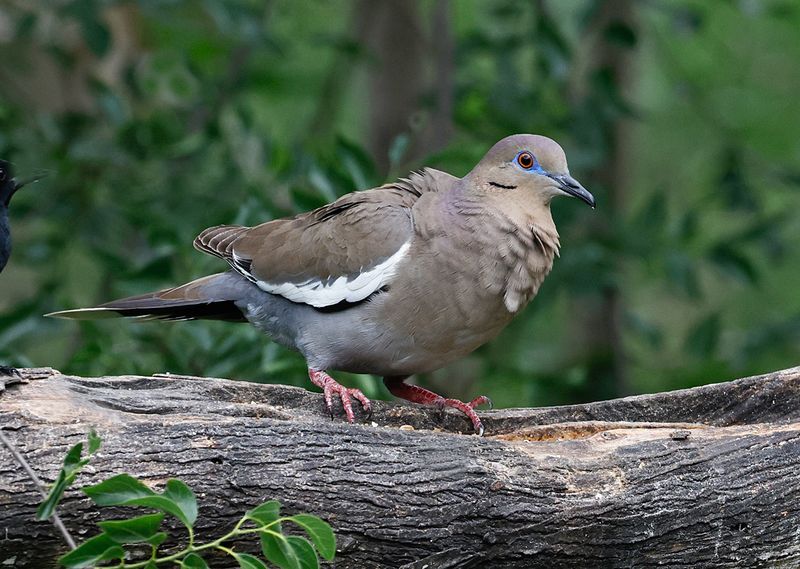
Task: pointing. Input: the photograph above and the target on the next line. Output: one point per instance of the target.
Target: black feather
(219, 310)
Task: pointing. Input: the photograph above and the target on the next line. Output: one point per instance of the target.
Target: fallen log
(703, 477)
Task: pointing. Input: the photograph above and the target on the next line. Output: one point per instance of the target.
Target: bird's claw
(330, 386)
(469, 410)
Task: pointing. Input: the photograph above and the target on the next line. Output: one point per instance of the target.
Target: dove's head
(530, 166)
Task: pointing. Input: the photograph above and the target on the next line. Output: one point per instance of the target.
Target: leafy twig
(177, 500)
(39, 486)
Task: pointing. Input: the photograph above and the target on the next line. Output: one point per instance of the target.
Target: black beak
(571, 186)
(19, 185)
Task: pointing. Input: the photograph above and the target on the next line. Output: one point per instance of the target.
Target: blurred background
(155, 119)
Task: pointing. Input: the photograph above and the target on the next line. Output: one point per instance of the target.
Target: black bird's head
(8, 184)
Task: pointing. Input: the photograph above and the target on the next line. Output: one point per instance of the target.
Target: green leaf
(157, 539)
(266, 513)
(163, 504)
(398, 149)
(653, 216)
(92, 551)
(72, 462)
(277, 550)
(133, 530)
(703, 339)
(125, 490)
(72, 465)
(357, 163)
(94, 442)
(620, 33)
(682, 273)
(649, 331)
(304, 551)
(48, 505)
(94, 32)
(184, 498)
(193, 561)
(322, 183)
(118, 491)
(247, 561)
(319, 532)
(734, 263)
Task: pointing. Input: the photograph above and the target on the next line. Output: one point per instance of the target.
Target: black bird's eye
(526, 160)
(2, 175)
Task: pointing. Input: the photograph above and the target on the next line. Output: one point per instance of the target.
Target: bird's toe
(467, 409)
(481, 400)
(366, 404)
(331, 387)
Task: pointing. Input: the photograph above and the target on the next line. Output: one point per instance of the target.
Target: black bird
(8, 187)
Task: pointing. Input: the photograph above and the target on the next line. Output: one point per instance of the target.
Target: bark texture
(705, 477)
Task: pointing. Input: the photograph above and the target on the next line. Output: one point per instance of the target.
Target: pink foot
(330, 386)
(417, 394)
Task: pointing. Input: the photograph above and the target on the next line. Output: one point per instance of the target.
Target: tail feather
(202, 299)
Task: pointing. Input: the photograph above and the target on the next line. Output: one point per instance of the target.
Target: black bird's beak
(571, 186)
(28, 181)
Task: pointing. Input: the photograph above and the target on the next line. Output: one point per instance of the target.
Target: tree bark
(704, 477)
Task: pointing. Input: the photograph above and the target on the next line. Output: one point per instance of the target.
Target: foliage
(196, 114)
(113, 546)
(73, 463)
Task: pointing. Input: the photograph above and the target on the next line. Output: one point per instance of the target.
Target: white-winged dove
(392, 281)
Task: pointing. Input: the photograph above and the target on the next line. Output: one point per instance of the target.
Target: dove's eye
(526, 161)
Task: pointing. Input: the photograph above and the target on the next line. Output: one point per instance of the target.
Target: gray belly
(384, 335)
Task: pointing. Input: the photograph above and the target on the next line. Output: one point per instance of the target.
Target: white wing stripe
(321, 293)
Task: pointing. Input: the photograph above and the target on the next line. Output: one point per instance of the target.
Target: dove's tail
(208, 298)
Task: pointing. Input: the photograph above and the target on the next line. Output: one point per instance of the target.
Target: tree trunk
(704, 477)
(396, 80)
(411, 81)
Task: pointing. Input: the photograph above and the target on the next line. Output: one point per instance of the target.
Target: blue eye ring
(527, 161)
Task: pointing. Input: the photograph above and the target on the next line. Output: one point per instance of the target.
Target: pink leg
(417, 394)
(329, 386)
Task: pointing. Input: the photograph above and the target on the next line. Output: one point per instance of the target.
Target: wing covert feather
(344, 251)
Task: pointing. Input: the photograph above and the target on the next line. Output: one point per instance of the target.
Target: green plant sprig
(73, 464)
(107, 550)
(242, 558)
